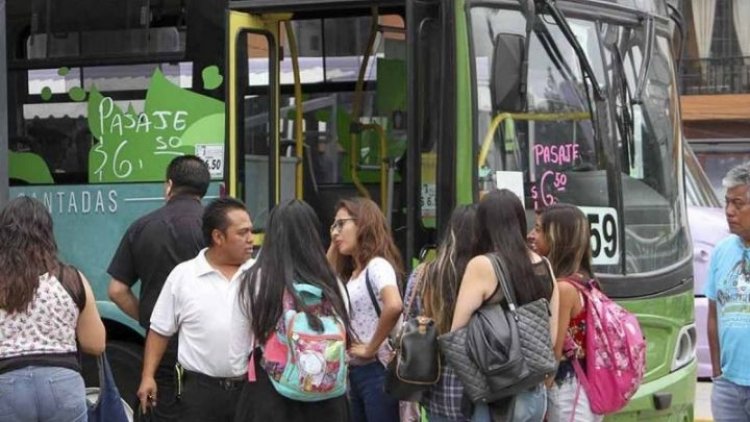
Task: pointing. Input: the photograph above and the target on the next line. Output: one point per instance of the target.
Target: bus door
(317, 109)
(255, 167)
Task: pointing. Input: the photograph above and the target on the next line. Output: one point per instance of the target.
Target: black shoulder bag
(415, 366)
(503, 350)
(511, 345)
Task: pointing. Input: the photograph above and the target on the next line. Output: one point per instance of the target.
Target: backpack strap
(584, 290)
(371, 292)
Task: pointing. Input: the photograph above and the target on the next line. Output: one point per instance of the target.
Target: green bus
(418, 104)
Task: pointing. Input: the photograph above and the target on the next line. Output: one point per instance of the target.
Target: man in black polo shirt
(150, 249)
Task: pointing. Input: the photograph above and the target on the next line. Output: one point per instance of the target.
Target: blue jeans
(439, 418)
(529, 406)
(730, 402)
(367, 400)
(45, 394)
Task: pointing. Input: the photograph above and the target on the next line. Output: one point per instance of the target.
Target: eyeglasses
(339, 224)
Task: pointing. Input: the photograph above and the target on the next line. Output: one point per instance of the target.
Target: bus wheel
(125, 359)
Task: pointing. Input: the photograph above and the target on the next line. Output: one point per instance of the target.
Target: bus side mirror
(507, 83)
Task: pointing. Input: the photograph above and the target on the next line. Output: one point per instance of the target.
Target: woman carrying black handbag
(501, 229)
(437, 285)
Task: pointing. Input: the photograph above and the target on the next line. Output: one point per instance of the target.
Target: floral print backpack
(304, 364)
(615, 351)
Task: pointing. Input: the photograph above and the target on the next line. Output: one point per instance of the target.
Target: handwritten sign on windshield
(549, 161)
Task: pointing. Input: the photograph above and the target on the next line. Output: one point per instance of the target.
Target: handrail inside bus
(357, 107)
(298, 135)
(544, 117)
(383, 167)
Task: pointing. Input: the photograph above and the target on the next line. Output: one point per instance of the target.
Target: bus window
(96, 28)
(653, 218)
(52, 140)
(552, 143)
(554, 146)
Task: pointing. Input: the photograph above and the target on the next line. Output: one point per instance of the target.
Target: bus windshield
(561, 153)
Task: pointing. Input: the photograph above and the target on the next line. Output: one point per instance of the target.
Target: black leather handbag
(511, 344)
(503, 350)
(415, 366)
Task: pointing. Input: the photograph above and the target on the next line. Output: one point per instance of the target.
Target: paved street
(703, 402)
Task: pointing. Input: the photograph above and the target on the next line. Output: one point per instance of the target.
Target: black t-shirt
(153, 245)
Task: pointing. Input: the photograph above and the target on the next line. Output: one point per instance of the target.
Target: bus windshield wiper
(625, 119)
(547, 41)
(646, 63)
(570, 36)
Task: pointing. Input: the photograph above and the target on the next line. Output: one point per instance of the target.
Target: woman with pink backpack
(599, 344)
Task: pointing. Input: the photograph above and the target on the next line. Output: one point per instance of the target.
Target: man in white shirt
(196, 303)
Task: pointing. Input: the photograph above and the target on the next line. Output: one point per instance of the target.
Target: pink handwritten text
(555, 154)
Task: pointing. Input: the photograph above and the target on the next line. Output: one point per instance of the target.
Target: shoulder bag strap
(343, 289)
(551, 271)
(501, 275)
(371, 292)
(582, 289)
(415, 290)
(73, 288)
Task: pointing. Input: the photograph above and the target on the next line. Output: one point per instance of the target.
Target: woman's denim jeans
(367, 400)
(529, 406)
(45, 394)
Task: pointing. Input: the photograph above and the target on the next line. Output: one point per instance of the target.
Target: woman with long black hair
(501, 230)
(292, 255)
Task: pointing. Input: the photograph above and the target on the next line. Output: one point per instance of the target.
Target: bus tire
(125, 359)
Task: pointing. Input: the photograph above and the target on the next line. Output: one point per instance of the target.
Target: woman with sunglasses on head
(364, 255)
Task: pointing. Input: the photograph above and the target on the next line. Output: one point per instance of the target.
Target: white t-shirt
(364, 318)
(197, 303)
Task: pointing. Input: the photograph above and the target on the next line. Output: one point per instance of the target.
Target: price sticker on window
(428, 200)
(605, 244)
(213, 155)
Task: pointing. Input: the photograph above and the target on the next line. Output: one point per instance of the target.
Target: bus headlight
(684, 351)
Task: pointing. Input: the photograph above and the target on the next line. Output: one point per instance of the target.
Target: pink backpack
(615, 352)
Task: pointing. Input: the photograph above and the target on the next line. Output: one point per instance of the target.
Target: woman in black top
(501, 228)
